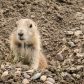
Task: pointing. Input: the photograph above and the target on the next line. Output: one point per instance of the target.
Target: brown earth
(54, 18)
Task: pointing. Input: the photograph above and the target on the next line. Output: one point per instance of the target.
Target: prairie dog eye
(30, 25)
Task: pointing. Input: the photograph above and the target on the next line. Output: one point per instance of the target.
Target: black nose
(20, 34)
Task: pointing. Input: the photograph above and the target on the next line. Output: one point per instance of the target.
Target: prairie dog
(25, 41)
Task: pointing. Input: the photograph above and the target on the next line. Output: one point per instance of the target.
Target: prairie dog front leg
(16, 50)
(35, 60)
(32, 56)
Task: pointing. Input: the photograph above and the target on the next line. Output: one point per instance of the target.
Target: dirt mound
(54, 18)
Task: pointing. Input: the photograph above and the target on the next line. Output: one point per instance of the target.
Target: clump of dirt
(54, 18)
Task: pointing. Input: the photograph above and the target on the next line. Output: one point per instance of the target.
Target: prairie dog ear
(35, 24)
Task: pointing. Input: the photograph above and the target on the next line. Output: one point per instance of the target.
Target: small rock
(69, 33)
(5, 73)
(79, 61)
(71, 44)
(73, 29)
(68, 78)
(9, 67)
(64, 74)
(17, 73)
(64, 40)
(63, 82)
(78, 33)
(36, 76)
(82, 22)
(18, 69)
(76, 51)
(7, 64)
(25, 81)
(82, 8)
(22, 1)
(76, 41)
(71, 69)
(50, 80)
(30, 71)
(47, 82)
(83, 61)
(76, 76)
(59, 57)
(79, 55)
(67, 62)
(43, 78)
(79, 45)
(44, 70)
(79, 67)
(79, 16)
(26, 75)
(20, 5)
(2, 66)
(32, 16)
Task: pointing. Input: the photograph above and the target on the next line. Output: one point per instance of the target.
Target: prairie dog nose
(20, 33)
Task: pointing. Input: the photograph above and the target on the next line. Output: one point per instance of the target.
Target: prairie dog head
(25, 29)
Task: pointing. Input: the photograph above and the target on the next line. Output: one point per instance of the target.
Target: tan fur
(30, 46)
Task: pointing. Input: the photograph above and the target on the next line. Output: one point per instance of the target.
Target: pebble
(76, 51)
(43, 78)
(7, 64)
(83, 61)
(78, 33)
(79, 61)
(50, 80)
(79, 67)
(36, 76)
(71, 44)
(2, 66)
(76, 76)
(68, 78)
(32, 16)
(63, 82)
(47, 82)
(30, 71)
(82, 22)
(82, 8)
(64, 74)
(26, 75)
(73, 30)
(69, 33)
(17, 73)
(22, 1)
(79, 16)
(59, 57)
(18, 69)
(79, 55)
(9, 67)
(64, 40)
(67, 62)
(25, 81)
(20, 5)
(5, 73)
(71, 69)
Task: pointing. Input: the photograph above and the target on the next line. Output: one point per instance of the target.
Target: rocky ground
(61, 26)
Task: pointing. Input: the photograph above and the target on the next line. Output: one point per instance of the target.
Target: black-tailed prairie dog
(25, 41)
